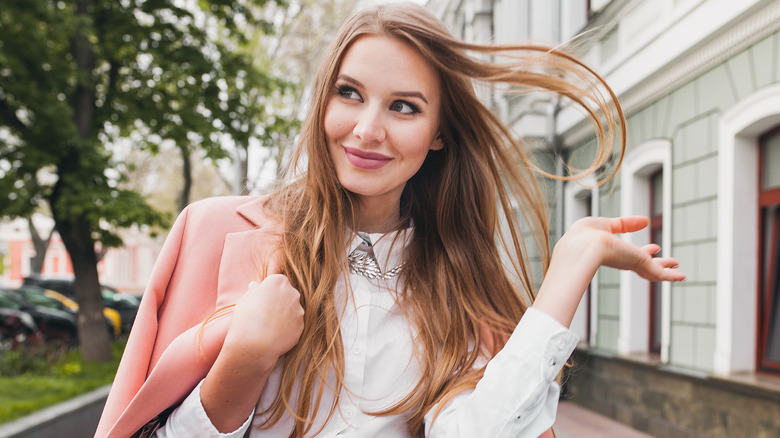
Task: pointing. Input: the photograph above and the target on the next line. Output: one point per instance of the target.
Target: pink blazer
(214, 249)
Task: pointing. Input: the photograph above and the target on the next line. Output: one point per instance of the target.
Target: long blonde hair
(456, 290)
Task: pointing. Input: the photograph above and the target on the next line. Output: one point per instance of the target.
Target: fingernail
(252, 284)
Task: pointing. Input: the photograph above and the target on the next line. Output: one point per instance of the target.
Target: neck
(378, 217)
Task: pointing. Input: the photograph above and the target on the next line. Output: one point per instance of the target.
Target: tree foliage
(76, 76)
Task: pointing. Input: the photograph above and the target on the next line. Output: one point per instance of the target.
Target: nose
(370, 126)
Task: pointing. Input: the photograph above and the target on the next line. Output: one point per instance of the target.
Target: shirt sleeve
(518, 394)
(190, 419)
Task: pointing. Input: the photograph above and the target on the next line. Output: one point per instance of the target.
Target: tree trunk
(99, 254)
(243, 170)
(240, 168)
(93, 335)
(40, 244)
(186, 170)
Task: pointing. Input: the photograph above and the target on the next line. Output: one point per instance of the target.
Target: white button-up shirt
(517, 396)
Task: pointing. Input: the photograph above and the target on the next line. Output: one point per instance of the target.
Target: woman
(383, 297)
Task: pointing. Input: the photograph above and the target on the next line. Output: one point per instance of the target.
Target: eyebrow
(357, 83)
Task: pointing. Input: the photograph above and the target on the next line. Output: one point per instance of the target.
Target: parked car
(54, 323)
(61, 285)
(39, 296)
(55, 299)
(16, 326)
(125, 304)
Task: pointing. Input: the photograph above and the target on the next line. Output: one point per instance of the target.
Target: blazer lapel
(246, 257)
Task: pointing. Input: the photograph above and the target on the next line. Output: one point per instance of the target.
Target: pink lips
(366, 160)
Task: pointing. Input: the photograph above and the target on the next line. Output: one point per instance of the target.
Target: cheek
(334, 122)
(416, 143)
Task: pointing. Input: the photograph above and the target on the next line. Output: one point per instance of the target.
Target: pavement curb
(77, 417)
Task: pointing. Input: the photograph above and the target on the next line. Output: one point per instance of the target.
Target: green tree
(76, 76)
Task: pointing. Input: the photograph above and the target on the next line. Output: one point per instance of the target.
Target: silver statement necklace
(362, 261)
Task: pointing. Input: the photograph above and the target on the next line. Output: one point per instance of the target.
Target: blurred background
(115, 114)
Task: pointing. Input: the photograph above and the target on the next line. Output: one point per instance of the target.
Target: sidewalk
(574, 421)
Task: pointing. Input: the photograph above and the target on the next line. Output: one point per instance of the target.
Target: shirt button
(349, 413)
(356, 351)
(561, 344)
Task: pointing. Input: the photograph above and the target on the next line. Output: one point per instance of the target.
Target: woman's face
(382, 118)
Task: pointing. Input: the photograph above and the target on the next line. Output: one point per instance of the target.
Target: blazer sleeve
(135, 361)
(215, 247)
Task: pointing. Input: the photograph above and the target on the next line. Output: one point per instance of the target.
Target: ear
(438, 143)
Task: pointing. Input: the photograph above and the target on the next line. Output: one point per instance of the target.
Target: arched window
(738, 326)
(656, 236)
(645, 189)
(769, 252)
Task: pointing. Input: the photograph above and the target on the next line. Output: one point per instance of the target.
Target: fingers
(267, 319)
(669, 270)
(614, 225)
(659, 269)
(622, 254)
(669, 274)
(627, 224)
(277, 280)
(667, 262)
(652, 248)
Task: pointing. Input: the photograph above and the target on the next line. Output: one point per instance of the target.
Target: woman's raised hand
(590, 243)
(267, 322)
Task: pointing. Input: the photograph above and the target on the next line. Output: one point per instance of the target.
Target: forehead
(389, 62)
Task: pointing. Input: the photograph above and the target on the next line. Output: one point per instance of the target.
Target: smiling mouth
(365, 159)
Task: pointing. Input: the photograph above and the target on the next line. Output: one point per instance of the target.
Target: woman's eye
(404, 107)
(348, 93)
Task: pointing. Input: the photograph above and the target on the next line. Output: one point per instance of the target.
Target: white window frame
(634, 324)
(739, 129)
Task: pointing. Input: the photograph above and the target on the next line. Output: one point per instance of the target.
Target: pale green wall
(689, 118)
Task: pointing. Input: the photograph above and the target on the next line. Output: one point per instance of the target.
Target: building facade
(699, 81)
(126, 268)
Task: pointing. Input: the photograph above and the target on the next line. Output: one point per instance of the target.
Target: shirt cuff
(190, 419)
(542, 345)
(517, 395)
(540, 332)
